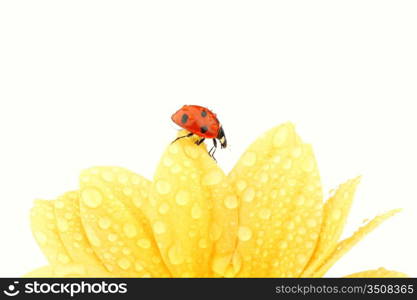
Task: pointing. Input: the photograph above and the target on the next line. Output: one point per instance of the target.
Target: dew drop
(62, 225)
(91, 197)
(287, 164)
(104, 223)
(59, 204)
(175, 255)
(248, 195)
(264, 177)
(241, 185)
(308, 165)
(138, 266)
(192, 151)
(249, 158)
(123, 179)
(127, 191)
(159, 227)
(130, 230)
(244, 233)
(212, 177)
(163, 209)
(176, 169)
(300, 200)
(163, 187)
(231, 202)
(196, 211)
(167, 161)
(182, 197)
(107, 176)
(311, 222)
(265, 213)
(144, 243)
(296, 152)
(124, 263)
(336, 214)
(280, 136)
(112, 237)
(137, 201)
(283, 245)
(63, 258)
(126, 251)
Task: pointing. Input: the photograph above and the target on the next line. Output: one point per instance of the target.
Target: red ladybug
(202, 122)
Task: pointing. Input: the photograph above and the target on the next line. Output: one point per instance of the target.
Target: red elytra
(200, 121)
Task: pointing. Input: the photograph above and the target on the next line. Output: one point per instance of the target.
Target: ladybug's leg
(214, 148)
(198, 143)
(180, 137)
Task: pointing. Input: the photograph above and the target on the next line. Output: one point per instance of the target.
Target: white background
(86, 83)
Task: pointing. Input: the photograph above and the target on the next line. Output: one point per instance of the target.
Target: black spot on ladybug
(203, 113)
(203, 129)
(184, 118)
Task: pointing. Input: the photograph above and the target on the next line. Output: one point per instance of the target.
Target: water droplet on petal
(175, 255)
(63, 258)
(287, 164)
(123, 179)
(192, 151)
(138, 266)
(176, 169)
(124, 263)
(244, 233)
(167, 161)
(308, 164)
(62, 225)
(231, 202)
(196, 211)
(163, 209)
(336, 214)
(163, 187)
(91, 197)
(248, 195)
(182, 197)
(104, 223)
(144, 243)
(212, 177)
(280, 136)
(127, 191)
(107, 176)
(241, 185)
(249, 158)
(311, 222)
(112, 237)
(265, 213)
(159, 227)
(59, 204)
(130, 230)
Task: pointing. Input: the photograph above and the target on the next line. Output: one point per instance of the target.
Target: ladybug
(202, 122)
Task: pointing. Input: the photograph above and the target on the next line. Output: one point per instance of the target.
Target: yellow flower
(264, 219)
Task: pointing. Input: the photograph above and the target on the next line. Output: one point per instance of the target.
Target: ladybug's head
(222, 137)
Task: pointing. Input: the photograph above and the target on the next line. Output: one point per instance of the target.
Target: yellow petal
(377, 273)
(45, 271)
(46, 233)
(195, 217)
(280, 195)
(345, 245)
(335, 213)
(69, 270)
(119, 232)
(71, 231)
